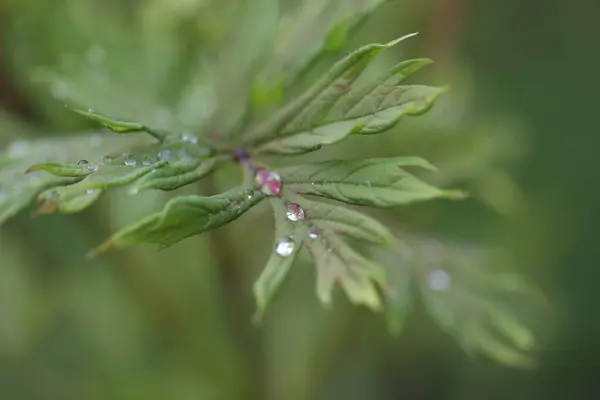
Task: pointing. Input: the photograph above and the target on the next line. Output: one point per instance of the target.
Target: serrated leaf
(344, 221)
(372, 182)
(183, 217)
(371, 109)
(331, 86)
(336, 262)
(277, 267)
(120, 126)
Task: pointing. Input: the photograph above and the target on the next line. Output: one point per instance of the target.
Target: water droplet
(91, 111)
(164, 155)
(237, 204)
(312, 183)
(90, 191)
(82, 162)
(106, 159)
(147, 162)
(189, 137)
(249, 193)
(128, 160)
(439, 280)
(294, 212)
(53, 195)
(313, 232)
(93, 167)
(285, 247)
(95, 54)
(269, 182)
(369, 183)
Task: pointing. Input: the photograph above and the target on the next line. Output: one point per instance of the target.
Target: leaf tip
(400, 39)
(454, 194)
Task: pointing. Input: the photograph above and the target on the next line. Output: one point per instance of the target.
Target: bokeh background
(518, 132)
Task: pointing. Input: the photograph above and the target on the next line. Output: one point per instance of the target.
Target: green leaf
(331, 86)
(76, 197)
(336, 262)
(371, 109)
(18, 189)
(372, 182)
(272, 276)
(69, 170)
(183, 217)
(344, 221)
(120, 126)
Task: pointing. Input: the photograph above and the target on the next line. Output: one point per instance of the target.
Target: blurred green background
(517, 131)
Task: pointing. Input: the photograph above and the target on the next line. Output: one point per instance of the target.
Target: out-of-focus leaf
(331, 86)
(272, 276)
(336, 262)
(183, 217)
(399, 302)
(370, 182)
(341, 111)
(344, 221)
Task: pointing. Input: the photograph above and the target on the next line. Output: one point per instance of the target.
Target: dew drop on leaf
(164, 155)
(93, 167)
(189, 137)
(439, 280)
(237, 204)
(285, 247)
(294, 212)
(128, 160)
(269, 182)
(369, 183)
(249, 193)
(106, 159)
(82, 162)
(90, 111)
(313, 232)
(90, 191)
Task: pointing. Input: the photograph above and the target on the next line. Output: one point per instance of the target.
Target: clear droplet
(312, 183)
(106, 159)
(128, 160)
(83, 162)
(369, 183)
(285, 247)
(147, 162)
(189, 137)
(439, 280)
(269, 182)
(237, 204)
(313, 232)
(90, 191)
(91, 111)
(249, 193)
(164, 155)
(93, 167)
(295, 212)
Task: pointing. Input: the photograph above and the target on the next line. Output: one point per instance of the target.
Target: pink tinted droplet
(268, 182)
(295, 212)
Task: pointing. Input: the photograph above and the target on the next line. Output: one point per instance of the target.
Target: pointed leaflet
(314, 30)
(366, 110)
(371, 182)
(18, 189)
(344, 221)
(336, 262)
(183, 217)
(120, 126)
(277, 267)
(331, 86)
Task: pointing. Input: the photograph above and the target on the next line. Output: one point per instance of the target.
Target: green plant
(331, 110)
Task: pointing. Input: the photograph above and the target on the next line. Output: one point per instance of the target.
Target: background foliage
(514, 131)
